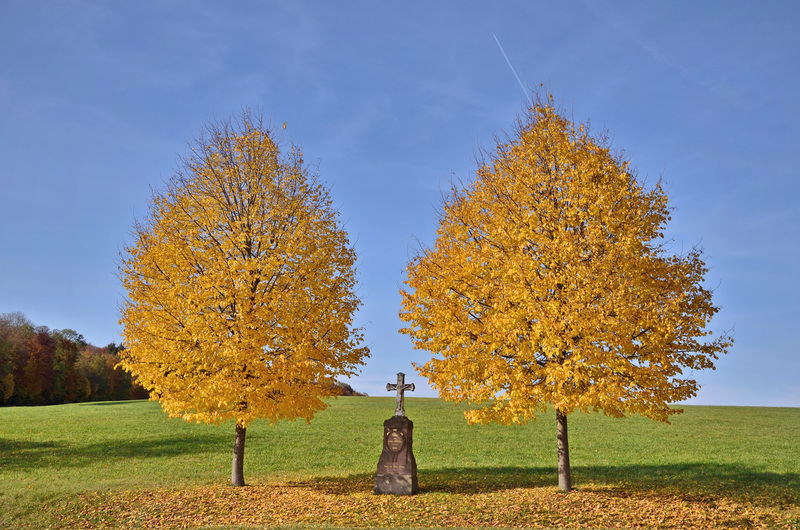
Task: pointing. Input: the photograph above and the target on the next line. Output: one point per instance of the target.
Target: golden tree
(551, 283)
(240, 287)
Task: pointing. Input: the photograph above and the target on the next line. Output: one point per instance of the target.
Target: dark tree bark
(564, 475)
(237, 469)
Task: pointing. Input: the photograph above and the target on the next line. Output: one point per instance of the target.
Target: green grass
(51, 454)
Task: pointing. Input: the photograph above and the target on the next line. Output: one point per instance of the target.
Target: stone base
(397, 468)
(396, 484)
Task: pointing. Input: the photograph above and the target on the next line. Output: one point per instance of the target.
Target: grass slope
(56, 461)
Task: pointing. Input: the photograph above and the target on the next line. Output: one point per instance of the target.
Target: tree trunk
(237, 470)
(564, 475)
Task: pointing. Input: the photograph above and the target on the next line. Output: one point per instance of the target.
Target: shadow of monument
(687, 479)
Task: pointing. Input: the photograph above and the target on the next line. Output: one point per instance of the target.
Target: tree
(35, 383)
(551, 283)
(240, 287)
(96, 368)
(15, 331)
(68, 385)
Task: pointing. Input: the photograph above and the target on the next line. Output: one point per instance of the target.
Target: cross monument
(400, 387)
(397, 467)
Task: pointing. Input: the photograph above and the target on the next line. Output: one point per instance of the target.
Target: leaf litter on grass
(316, 502)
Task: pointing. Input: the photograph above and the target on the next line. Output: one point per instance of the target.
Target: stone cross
(400, 410)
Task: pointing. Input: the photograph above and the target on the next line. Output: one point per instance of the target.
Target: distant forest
(41, 366)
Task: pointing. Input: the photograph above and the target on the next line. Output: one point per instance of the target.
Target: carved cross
(400, 387)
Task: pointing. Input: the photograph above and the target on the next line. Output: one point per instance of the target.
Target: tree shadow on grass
(688, 480)
(106, 403)
(28, 455)
(14, 452)
(699, 480)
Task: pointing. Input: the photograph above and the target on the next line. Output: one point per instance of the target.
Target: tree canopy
(551, 283)
(241, 285)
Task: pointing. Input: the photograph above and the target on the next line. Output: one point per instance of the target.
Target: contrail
(530, 101)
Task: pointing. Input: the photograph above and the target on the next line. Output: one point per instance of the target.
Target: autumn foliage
(551, 284)
(351, 504)
(40, 366)
(241, 285)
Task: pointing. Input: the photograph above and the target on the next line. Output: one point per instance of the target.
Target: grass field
(125, 464)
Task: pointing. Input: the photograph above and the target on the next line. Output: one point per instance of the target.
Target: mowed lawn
(126, 464)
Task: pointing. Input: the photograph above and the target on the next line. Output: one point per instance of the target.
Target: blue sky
(389, 100)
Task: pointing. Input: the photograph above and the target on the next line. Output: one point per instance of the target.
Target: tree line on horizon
(42, 366)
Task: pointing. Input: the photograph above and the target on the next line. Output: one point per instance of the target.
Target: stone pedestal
(397, 468)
